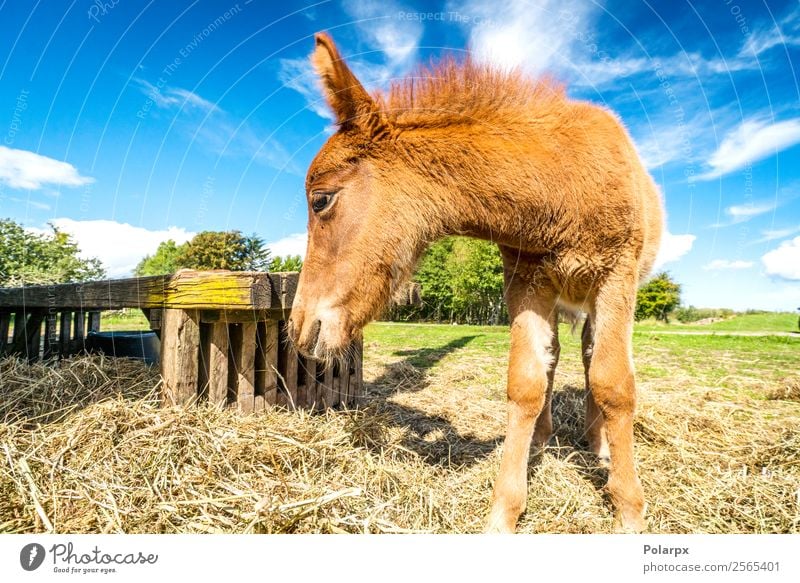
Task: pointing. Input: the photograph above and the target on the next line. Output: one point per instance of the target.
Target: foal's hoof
(499, 529)
(541, 441)
(632, 524)
(500, 522)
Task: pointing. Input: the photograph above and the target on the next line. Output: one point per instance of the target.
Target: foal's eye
(320, 200)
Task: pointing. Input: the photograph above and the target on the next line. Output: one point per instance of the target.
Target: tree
(476, 272)
(287, 263)
(461, 281)
(435, 281)
(657, 298)
(224, 250)
(163, 262)
(28, 258)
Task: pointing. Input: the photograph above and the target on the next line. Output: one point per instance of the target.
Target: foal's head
(364, 233)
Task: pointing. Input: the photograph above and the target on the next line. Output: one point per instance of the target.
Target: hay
(85, 447)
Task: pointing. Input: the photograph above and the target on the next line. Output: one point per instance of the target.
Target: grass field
(780, 322)
(86, 448)
(783, 322)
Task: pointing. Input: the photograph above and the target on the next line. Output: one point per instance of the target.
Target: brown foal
(462, 148)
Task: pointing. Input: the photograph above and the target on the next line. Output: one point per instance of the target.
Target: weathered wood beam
(65, 334)
(94, 322)
(27, 332)
(50, 335)
(216, 352)
(267, 363)
(5, 321)
(212, 290)
(243, 345)
(180, 347)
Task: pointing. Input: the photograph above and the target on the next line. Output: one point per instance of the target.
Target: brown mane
(452, 92)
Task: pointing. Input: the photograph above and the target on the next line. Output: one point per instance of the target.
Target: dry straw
(85, 447)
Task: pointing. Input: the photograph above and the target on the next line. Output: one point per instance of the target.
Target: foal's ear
(348, 99)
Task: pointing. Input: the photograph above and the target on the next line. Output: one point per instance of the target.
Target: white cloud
(748, 211)
(673, 247)
(395, 38)
(784, 262)
(753, 140)
(781, 34)
(168, 97)
(532, 35)
(299, 74)
(741, 213)
(28, 170)
(379, 22)
(598, 72)
(775, 234)
(31, 203)
(119, 246)
(720, 264)
(665, 144)
(290, 245)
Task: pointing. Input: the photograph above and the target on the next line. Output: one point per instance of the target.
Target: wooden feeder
(223, 336)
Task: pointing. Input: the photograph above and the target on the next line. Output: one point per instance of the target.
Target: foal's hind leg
(544, 423)
(611, 380)
(594, 423)
(528, 366)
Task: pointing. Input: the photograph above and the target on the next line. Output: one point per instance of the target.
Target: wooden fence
(223, 336)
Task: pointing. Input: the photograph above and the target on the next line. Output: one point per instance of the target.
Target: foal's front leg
(531, 357)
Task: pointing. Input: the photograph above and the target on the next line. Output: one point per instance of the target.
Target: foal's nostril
(313, 335)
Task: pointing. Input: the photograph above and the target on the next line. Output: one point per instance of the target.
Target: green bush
(688, 314)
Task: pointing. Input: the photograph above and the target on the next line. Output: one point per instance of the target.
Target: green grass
(129, 320)
(723, 362)
(763, 322)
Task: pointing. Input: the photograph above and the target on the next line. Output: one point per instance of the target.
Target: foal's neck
(488, 188)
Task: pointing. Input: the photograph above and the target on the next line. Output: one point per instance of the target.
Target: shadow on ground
(435, 439)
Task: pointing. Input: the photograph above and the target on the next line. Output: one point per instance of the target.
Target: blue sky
(126, 123)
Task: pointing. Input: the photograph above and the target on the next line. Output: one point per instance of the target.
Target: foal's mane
(453, 92)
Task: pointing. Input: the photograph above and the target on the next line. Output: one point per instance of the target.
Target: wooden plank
(310, 387)
(359, 391)
(203, 361)
(27, 331)
(5, 322)
(283, 289)
(282, 361)
(153, 316)
(258, 403)
(180, 347)
(94, 322)
(291, 375)
(328, 396)
(32, 350)
(320, 392)
(344, 382)
(109, 294)
(270, 352)
(302, 395)
(78, 327)
(50, 335)
(337, 383)
(218, 364)
(244, 355)
(18, 335)
(238, 316)
(65, 334)
(218, 289)
(185, 289)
